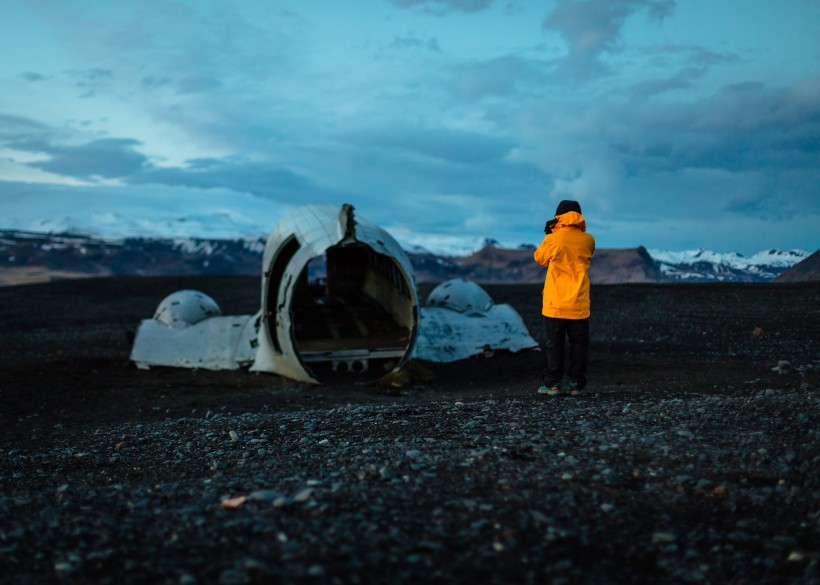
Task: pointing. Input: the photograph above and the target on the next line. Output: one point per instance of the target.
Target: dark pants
(577, 330)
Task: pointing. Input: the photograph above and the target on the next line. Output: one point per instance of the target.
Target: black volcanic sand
(688, 459)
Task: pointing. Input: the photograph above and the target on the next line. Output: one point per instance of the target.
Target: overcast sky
(676, 124)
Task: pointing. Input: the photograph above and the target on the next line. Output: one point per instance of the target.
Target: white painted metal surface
(188, 331)
(462, 296)
(186, 307)
(464, 322)
(306, 233)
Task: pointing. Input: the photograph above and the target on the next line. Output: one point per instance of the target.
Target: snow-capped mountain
(706, 265)
(36, 257)
(27, 256)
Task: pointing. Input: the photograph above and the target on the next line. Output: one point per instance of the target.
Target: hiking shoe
(573, 387)
(553, 390)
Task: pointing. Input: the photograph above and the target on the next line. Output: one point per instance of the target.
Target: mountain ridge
(27, 256)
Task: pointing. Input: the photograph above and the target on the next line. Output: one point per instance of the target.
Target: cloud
(441, 7)
(452, 146)
(32, 77)
(593, 27)
(155, 82)
(413, 42)
(746, 151)
(117, 158)
(687, 64)
(259, 178)
(91, 80)
(110, 158)
(16, 128)
(198, 84)
(502, 76)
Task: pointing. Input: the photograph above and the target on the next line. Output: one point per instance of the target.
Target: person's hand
(549, 225)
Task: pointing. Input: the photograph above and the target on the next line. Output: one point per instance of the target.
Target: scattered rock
(663, 537)
(783, 367)
(303, 496)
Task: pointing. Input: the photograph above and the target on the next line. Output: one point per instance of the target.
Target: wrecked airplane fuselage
(337, 293)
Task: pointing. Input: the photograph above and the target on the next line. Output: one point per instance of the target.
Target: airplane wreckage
(338, 295)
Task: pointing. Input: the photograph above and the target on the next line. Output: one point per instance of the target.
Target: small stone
(720, 491)
(232, 577)
(63, 567)
(234, 436)
(263, 495)
(303, 496)
(663, 537)
(387, 472)
(607, 507)
(783, 367)
(796, 556)
(316, 571)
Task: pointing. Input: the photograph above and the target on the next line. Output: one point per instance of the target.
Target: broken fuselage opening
(351, 311)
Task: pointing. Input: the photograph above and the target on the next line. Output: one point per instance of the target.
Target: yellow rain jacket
(566, 253)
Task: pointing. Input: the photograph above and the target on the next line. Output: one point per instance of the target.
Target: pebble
(263, 495)
(544, 481)
(783, 367)
(303, 496)
(233, 577)
(663, 537)
(316, 571)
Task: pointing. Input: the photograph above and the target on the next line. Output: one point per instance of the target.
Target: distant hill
(613, 266)
(37, 257)
(804, 271)
(489, 265)
(34, 257)
(493, 265)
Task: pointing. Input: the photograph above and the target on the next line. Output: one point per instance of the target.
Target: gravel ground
(688, 460)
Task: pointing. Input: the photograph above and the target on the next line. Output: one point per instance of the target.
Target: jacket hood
(571, 219)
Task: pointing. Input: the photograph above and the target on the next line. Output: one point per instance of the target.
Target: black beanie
(567, 205)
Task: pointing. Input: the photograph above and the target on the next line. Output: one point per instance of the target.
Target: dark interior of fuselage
(352, 298)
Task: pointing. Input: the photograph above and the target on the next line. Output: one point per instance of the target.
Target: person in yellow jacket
(566, 252)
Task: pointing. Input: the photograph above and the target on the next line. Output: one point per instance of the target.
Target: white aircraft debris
(461, 321)
(338, 295)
